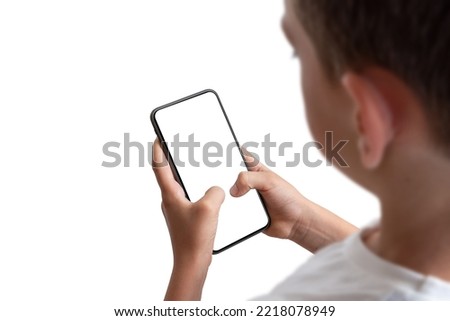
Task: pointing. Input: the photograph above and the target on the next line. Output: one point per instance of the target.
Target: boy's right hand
(292, 215)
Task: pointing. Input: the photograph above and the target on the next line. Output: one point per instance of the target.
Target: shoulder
(348, 270)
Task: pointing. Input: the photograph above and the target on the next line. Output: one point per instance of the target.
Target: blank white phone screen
(204, 151)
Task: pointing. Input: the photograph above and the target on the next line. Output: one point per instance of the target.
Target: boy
(375, 73)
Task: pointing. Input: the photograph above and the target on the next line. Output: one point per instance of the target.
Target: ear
(373, 118)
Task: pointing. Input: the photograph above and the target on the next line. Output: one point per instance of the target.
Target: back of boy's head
(411, 38)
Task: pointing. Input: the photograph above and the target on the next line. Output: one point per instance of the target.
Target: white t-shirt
(348, 270)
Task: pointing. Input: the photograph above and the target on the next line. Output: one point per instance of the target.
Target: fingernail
(158, 159)
(233, 190)
(249, 159)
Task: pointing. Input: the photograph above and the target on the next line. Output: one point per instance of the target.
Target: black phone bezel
(175, 170)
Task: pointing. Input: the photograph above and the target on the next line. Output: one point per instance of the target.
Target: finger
(251, 180)
(213, 198)
(163, 172)
(252, 161)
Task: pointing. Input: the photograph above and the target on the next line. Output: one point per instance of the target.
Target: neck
(415, 225)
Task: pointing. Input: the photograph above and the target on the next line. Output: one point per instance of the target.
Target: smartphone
(202, 150)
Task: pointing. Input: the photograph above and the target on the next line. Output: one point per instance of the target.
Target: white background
(78, 239)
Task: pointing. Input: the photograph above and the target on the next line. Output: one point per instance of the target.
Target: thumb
(213, 198)
(246, 181)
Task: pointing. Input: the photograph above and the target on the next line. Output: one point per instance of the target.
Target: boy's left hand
(192, 228)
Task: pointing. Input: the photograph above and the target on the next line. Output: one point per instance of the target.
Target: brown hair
(411, 38)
